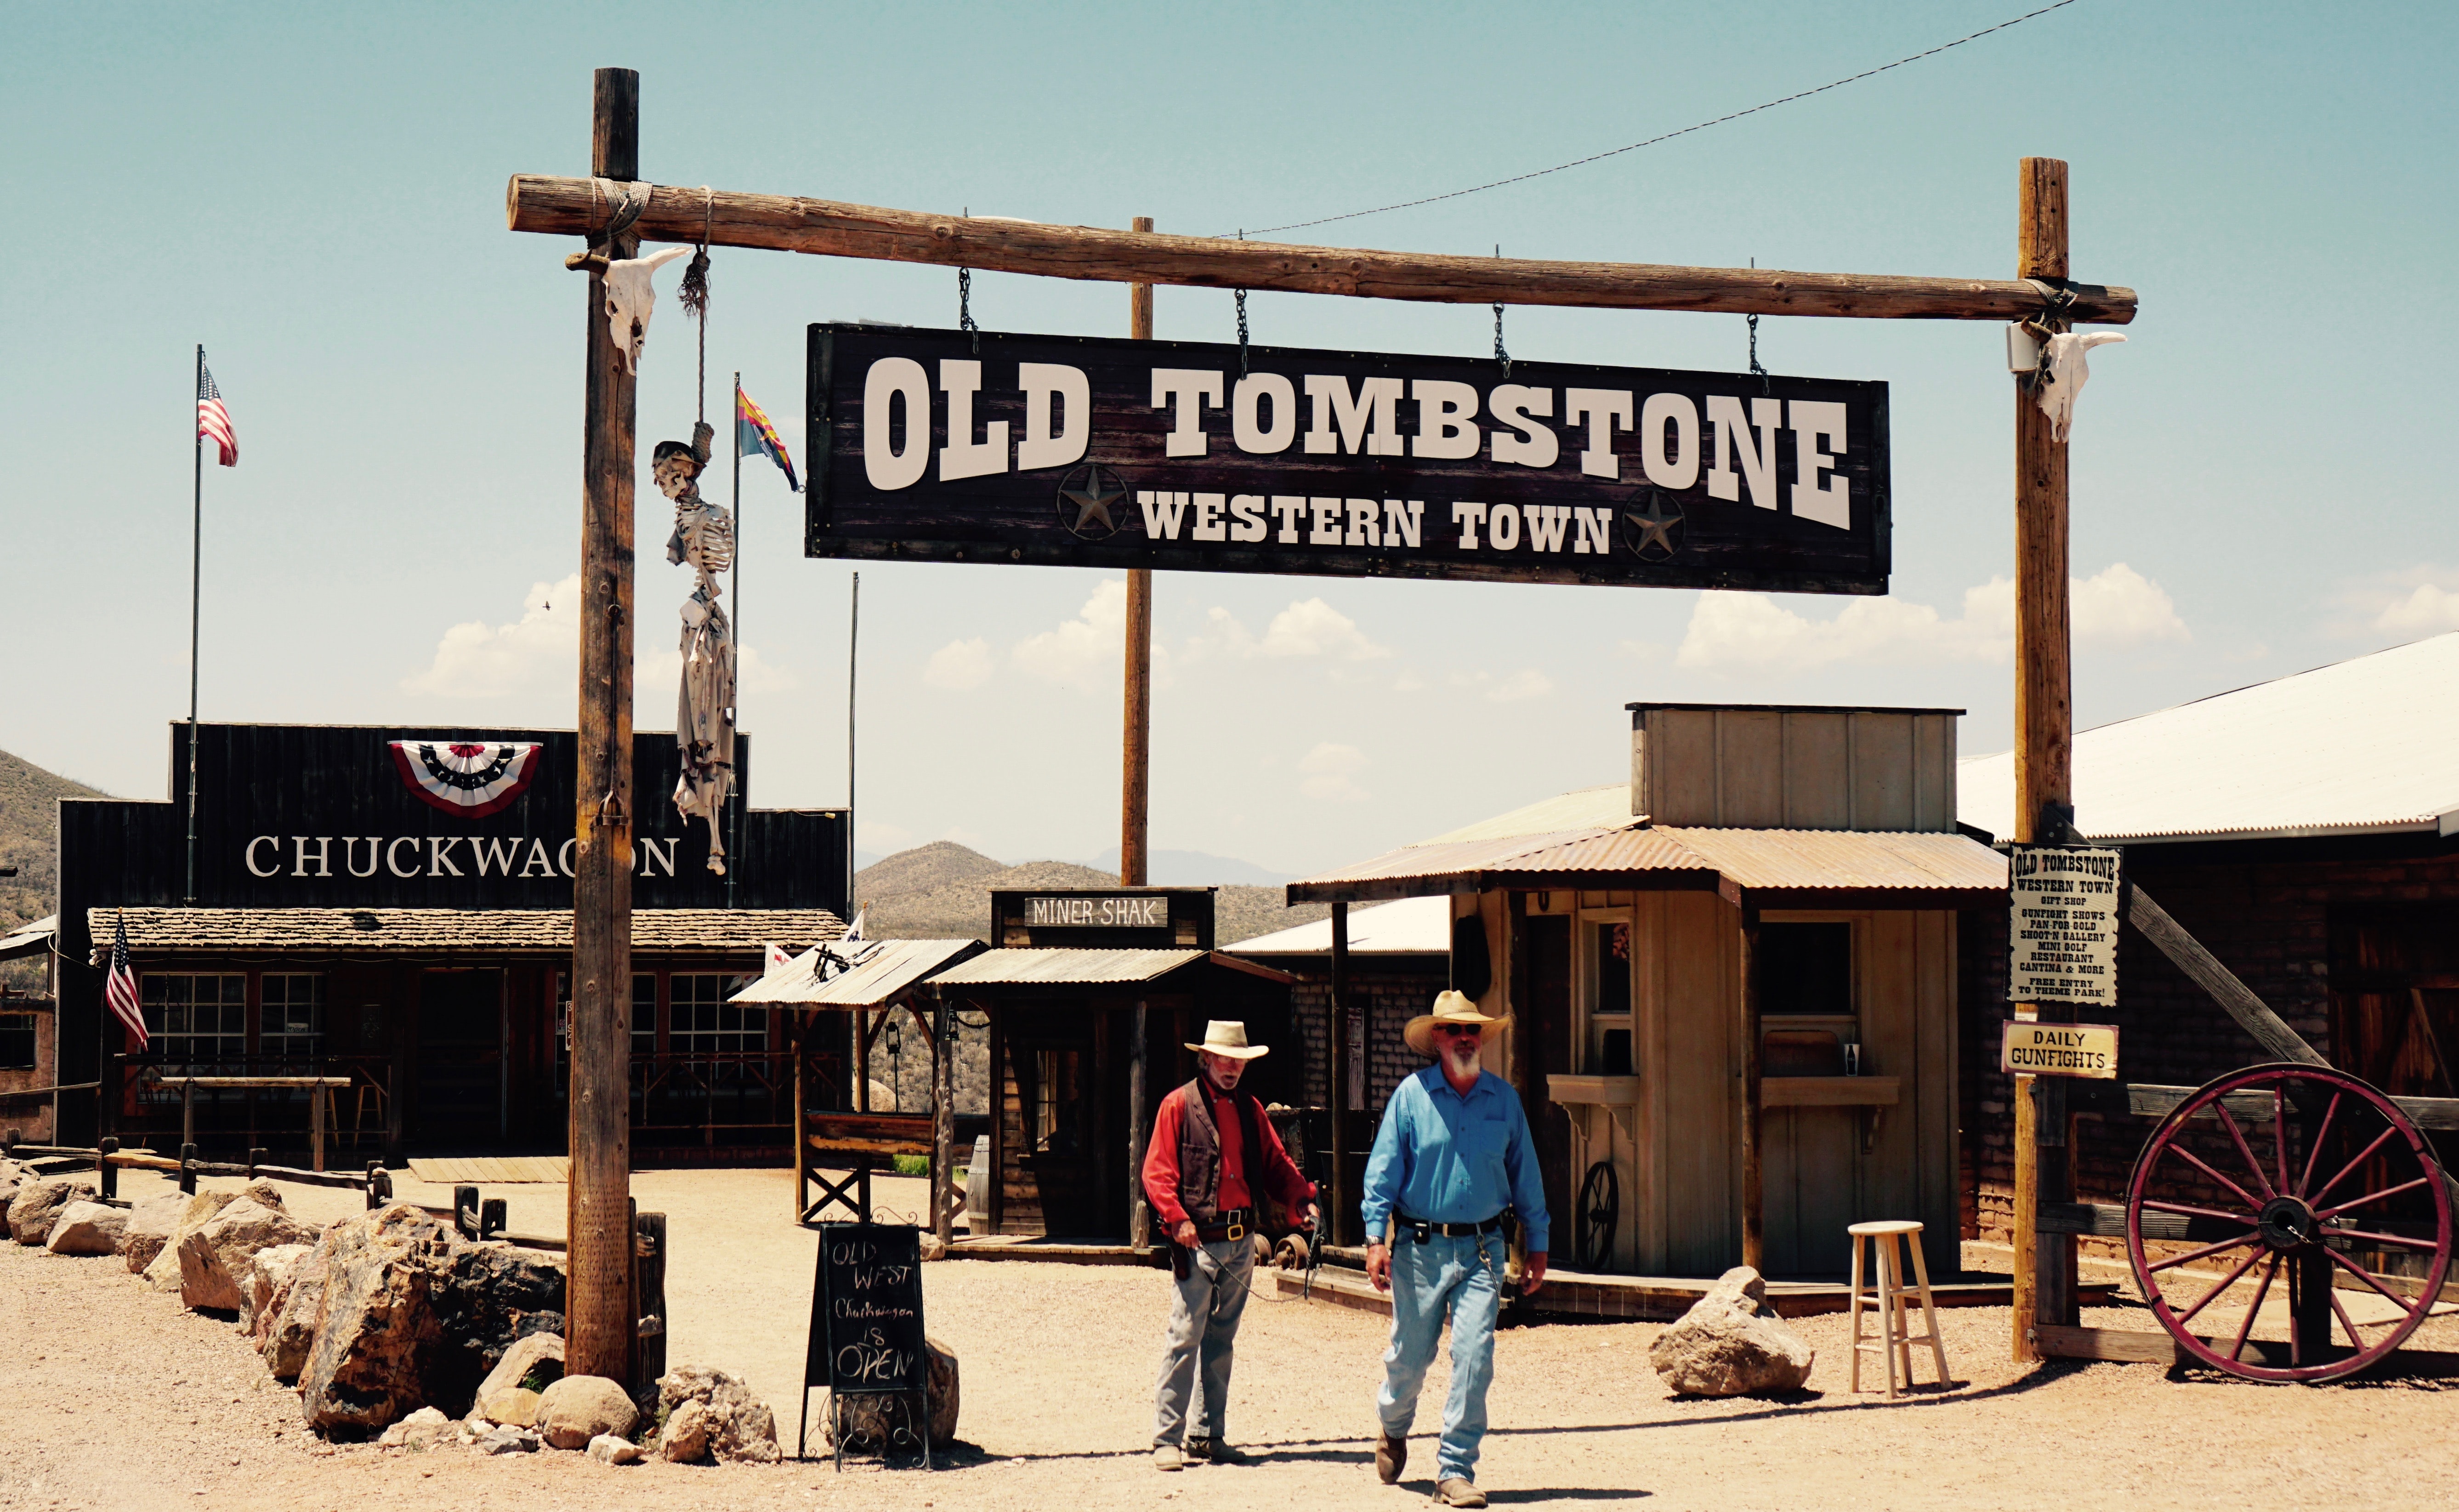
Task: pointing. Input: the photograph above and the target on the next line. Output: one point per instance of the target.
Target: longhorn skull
(630, 297)
(2063, 373)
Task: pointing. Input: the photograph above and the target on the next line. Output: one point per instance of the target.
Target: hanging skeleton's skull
(629, 298)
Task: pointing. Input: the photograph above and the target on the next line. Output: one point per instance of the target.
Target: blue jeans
(1443, 1277)
(1204, 1315)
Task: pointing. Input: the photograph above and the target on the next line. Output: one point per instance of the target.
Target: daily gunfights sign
(2064, 928)
(949, 446)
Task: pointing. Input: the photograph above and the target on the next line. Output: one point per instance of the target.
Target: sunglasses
(1458, 1029)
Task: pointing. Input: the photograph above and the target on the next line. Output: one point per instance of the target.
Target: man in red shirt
(1214, 1153)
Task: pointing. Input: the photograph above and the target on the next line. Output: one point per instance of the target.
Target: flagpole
(195, 587)
(853, 640)
(734, 813)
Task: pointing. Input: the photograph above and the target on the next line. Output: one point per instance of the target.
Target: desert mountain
(30, 841)
(942, 890)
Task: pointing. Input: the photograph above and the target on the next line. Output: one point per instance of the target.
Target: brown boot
(1391, 1457)
(1457, 1492)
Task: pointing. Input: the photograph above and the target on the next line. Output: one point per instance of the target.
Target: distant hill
(942, 890)
(1194, 869)
(28, 841)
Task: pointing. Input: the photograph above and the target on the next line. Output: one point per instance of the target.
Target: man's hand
(1532, 1273)
(1184, 1234)
(1313, 1215)
(1378, 1266)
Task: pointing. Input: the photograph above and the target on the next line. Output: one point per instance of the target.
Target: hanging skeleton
(703, 539)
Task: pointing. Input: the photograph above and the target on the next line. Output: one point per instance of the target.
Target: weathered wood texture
(1810, 768)
(1136, 746)
(599, 1322)
(560, 206)
(1754, 1118)
(2252, 1013)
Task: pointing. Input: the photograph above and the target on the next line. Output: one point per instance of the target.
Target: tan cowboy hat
(1227, 1036)
(1451, 1007)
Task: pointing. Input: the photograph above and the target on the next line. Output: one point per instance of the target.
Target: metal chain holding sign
(1755, 367)
(1499, 355)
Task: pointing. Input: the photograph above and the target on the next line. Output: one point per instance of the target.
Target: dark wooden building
(392, 905)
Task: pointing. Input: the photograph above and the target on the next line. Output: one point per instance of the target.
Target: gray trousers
(1202, 1335)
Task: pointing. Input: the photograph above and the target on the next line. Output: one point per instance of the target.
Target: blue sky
(2261, 480)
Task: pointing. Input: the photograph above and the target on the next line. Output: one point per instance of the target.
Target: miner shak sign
(949, 446)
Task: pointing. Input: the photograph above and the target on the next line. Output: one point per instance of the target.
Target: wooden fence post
(1754, 1113)
(649, 1283)
(109, 1173)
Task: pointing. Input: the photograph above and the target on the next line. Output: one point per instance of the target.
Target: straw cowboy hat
(1227, 1036)
(1450, 1008)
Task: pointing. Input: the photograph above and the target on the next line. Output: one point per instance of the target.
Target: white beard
(1463, 1065)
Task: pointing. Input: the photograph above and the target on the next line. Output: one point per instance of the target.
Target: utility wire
(1577, 162)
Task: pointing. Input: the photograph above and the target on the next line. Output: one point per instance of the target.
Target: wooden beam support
(1135, 751)
(600, 1324)
(1753, 1203)
(555, 206)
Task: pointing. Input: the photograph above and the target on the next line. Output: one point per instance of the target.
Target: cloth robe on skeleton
(704, 702)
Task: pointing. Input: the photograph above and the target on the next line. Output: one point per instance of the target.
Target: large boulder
(161, 1270)
(578, 1408)
(37, 1204)
(217, 1260)
(268, 1272)
(378, 1338)
(731, 1423)
(284, 1324)
(423, 1429)
(151, 1224)
(87, 1228)
(538, 1356)
(1732, 1344)
(872, 1421)
(493, 1298)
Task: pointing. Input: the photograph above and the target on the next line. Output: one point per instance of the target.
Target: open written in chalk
(865, 1337)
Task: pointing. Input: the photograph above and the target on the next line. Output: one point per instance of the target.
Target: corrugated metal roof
(30, 938)
(1921, 865)
(1604, 808)
(428, 932)
(1084, 968)
(2367, 745)
(1417, 926)
(882, 969)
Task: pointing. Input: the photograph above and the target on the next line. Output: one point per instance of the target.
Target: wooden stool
(1889, 1296)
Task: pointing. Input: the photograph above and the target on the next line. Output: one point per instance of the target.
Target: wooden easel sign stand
(866, 1335)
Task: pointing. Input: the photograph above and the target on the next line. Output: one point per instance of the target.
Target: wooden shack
(1092, 999)
(1731, 981)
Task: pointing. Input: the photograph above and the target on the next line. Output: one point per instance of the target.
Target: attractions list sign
(2064, 931)
(952, 446)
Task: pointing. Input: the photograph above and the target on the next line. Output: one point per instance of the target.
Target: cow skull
(2063, 373)
(629, 298)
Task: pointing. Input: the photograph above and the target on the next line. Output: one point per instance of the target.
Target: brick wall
(2265, 917)
(1392, 994)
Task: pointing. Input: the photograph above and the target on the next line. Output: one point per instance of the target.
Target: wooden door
(460, 1059)
(1550, 1029)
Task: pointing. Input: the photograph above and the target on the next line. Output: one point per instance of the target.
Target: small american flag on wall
(120, 991)
(213, 421)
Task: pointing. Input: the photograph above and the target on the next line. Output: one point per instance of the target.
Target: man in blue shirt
(1452, 1152)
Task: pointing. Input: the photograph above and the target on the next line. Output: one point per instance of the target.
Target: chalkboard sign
(867, 1311)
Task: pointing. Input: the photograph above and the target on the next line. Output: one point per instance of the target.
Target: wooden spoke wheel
(1600, 1213)
(2300, 1178)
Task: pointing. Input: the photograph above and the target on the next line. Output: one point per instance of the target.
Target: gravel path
(117, 1398)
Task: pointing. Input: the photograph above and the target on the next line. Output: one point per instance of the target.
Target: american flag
(213, 421)
(120, 991)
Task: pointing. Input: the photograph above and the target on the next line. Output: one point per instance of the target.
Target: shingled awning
(434, 932)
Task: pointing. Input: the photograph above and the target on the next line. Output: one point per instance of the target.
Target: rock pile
(710, 1414)
(1732, 1344)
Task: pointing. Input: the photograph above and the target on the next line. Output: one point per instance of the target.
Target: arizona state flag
(754, 435)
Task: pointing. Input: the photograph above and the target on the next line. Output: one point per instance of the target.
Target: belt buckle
(1237, 1231)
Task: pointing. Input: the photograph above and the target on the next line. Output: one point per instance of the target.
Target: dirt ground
(115, 1397)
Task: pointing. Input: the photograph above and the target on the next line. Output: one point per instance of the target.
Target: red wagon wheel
(2296, 1170)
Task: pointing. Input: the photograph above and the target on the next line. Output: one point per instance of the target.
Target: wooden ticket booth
(1731, 982)
(1092, 999)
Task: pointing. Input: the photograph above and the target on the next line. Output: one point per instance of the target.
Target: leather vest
(1198, 1153)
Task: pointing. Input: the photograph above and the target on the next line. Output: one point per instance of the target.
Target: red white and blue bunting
(470, 778)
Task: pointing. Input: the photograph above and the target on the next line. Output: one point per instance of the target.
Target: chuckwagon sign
(946, 446)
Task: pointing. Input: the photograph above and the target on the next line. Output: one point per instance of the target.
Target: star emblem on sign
(1086, 497)
(1651, 529)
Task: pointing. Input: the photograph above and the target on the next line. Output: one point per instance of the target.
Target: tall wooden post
(1136, 787)
(2043, 1267)
(1753, 1114)
(1139, 1206)
(943, 1119)
(1336, 1085)
(598, 1320)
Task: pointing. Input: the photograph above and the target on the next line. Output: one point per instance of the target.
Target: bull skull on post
(630, 297)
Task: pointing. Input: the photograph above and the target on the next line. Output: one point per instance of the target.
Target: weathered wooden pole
(943, 1119)
(598, 1319)
(2043, 1265)
(1754, 1112)
(1336, 1084)
(1136, 781)
(1139, 1206)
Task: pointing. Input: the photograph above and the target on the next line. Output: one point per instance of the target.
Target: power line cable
(1579, 162)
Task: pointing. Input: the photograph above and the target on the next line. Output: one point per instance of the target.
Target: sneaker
(1457, 1492)
(1391, 1457)
(1167, 1457)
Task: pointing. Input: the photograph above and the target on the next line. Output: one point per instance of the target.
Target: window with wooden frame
(292, 1025)
(1809, 1011)
(1058, 1091)
(701, 1022)
(1605, 943)
(16, 1041)
(196, 1019)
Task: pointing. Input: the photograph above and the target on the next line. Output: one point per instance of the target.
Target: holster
(1179, 1260)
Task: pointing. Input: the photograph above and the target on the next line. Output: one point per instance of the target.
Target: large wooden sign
(2063, 935)
(952, 446)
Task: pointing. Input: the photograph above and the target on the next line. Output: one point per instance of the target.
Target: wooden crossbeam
(564, 206)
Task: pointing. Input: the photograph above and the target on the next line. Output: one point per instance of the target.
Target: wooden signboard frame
(615, 211)
(847, 1355)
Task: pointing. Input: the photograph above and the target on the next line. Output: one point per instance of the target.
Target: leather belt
(1233, 1228)
(1422, 1229)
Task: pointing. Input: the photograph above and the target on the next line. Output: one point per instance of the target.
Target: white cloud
(960, 666)
(1525, 683)
(1311, 627)
(2428, 610)
(1747, 631)
(1328, 771)
(477, 659)
(1092, 643)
